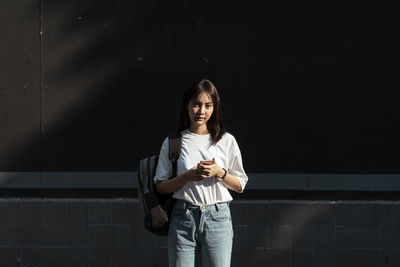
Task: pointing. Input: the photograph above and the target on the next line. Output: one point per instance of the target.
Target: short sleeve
(236, 164)
(164, 166)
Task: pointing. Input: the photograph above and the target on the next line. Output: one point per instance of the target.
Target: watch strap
(223, 176)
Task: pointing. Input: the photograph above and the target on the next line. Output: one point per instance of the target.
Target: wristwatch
(223, 176)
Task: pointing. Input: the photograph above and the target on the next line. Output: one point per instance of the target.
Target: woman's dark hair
(215, 124)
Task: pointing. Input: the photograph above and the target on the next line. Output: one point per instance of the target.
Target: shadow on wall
(107, 71)
(289, 226)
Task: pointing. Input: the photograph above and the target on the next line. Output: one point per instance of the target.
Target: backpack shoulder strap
(175, 143)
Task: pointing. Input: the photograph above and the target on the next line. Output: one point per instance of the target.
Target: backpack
(156, 207)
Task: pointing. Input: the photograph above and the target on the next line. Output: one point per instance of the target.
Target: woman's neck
(200, 130)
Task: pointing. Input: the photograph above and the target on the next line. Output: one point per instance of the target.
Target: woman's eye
(209, 106)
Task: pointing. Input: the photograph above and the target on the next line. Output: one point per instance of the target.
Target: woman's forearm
(231, 182)
(173, 184)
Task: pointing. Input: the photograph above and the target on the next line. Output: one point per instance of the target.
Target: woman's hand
(193, 174)
(172, 185)
(209, 169)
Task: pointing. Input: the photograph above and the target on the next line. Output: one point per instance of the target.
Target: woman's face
(200, 110)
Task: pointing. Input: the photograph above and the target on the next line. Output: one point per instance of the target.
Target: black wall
(307, 86)
(109, 233)
(309, 89)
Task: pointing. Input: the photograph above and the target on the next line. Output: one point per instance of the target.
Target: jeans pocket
(178, 212)
(222, 215)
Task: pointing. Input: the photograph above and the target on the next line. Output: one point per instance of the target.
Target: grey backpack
(156, 207)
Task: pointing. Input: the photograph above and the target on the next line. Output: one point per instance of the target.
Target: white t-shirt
(196, 148)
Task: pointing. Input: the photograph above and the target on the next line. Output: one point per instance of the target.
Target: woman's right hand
(193, 174)
(171, 185)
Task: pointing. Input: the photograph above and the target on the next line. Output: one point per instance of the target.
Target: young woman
(209, 164)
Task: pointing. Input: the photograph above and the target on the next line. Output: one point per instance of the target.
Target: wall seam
(308, 29)
(41, 90)
(175, 76)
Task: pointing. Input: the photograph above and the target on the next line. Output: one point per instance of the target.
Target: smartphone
(207, 162)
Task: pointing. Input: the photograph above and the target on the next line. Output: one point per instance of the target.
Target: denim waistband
(191, 206)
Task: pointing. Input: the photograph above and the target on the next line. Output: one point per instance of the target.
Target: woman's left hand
(209, 169)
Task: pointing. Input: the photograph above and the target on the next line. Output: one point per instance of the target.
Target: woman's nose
(201, 110)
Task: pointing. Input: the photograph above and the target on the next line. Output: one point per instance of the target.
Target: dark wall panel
(353, 89)
(307, 87)
(20, 94)
(256, 54)
(109, 87)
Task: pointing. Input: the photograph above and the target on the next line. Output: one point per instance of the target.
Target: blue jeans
(200, 235)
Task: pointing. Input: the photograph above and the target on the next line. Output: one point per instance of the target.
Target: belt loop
(216, 206)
